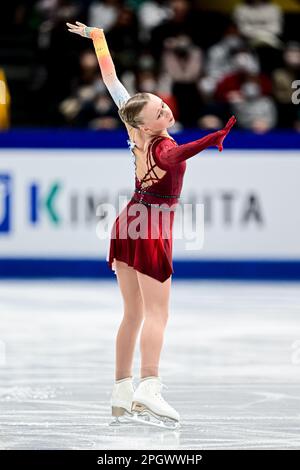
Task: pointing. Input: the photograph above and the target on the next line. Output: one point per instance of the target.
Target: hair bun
(129, 112)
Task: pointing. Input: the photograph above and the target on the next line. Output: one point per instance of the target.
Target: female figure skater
(143, 265)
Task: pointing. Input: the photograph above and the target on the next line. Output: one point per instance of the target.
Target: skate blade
(120, 416)
(143, 415)
(152, 421)
(121, 421)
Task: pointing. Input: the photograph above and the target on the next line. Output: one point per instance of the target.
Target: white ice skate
(121, 401)
(149, 407)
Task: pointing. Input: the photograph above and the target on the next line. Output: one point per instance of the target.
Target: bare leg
(132, 319)
(155, 296)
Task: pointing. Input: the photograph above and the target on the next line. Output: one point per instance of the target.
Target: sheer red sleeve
(167, 153)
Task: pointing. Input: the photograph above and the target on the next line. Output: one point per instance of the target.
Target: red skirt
(141, 236)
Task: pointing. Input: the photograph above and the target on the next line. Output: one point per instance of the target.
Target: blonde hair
(130, 111)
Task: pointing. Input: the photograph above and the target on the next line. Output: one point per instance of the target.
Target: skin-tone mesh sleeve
(116, 89)
(167, 153)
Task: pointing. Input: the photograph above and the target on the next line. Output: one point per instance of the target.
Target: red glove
(223, 133)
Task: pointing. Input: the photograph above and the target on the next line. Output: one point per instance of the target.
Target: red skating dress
(151, 210)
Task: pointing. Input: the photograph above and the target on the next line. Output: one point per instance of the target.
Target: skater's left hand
(79, 28)
(223, 132)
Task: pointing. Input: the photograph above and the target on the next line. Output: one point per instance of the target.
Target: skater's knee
(158, 312)
(134, 310)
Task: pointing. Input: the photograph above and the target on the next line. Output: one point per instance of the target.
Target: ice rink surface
(230, 360)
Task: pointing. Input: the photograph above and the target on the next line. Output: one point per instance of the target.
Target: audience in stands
(204, 64)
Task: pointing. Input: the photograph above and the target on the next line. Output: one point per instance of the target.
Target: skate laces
(158, 386)
(157, 391)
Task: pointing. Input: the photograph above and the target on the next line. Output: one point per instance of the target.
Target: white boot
(121, 400)
(150, 407)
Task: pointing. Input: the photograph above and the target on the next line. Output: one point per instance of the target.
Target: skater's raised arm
(116, 89)
(167, 154)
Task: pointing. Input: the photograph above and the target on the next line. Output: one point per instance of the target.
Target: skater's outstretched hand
(223, 133)
(80, 28)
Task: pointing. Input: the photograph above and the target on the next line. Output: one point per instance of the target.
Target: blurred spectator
(15, 15)
(134, 4)
(253, 110)
(123, 40)
(89, 104)
(103, 14)
(282, 85)
(210, 25)
(183, 20)
(246, 67)
(90, 107)
(88, 72)
(183, 62)
(210, 121)
(261, 23)
(220, 63)
(52, 13)
(151, 14)
(146, 60)
(182, 59)
(220, 57)
(58, 51)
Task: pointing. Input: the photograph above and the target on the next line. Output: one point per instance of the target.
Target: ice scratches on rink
(230, 361)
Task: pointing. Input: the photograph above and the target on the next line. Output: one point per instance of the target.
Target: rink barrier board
(254, 269)
(263, 270)
(77, 139)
